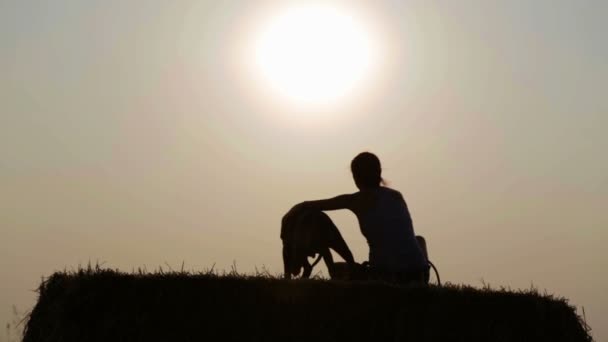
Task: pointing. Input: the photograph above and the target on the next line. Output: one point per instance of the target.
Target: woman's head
(366, 170)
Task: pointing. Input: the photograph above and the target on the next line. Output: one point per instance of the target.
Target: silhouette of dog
(307, 234)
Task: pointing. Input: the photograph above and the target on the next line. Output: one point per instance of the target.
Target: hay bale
(103, 305)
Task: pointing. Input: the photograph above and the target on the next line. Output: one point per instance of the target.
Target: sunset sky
(146, 133)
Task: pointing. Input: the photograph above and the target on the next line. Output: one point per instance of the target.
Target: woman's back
(387, 225)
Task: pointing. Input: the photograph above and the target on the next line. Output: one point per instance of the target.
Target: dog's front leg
(307, 270)
(329, 261)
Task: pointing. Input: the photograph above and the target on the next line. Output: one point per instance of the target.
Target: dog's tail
(436, 272)
(422, 243)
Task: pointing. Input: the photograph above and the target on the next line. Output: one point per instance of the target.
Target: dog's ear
(290, 266)
(286, 262)
(292, 263)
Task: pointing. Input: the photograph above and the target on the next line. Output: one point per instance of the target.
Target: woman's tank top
(389, 231)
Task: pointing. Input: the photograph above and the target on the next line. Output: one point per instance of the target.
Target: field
(107, 305)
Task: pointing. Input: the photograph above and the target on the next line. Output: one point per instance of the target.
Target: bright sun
(314, 54)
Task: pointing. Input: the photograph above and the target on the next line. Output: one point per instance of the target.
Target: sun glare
(314, 54)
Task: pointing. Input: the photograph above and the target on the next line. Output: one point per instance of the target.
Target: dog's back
(309, 229)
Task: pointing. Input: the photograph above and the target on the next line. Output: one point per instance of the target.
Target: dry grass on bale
(95, 304)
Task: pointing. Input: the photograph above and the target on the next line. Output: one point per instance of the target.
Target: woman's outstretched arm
(339, 202)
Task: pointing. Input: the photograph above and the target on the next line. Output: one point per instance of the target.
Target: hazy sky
(132, 133)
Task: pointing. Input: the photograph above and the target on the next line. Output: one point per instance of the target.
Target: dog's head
(300, 236)
(293, 260)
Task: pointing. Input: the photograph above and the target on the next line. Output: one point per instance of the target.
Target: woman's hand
(296, 209)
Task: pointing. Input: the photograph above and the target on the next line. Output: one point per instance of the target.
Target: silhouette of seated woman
(384, 220)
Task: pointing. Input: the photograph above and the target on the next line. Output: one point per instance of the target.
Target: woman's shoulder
(381, 191)
(393, 194)
(391, 191)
